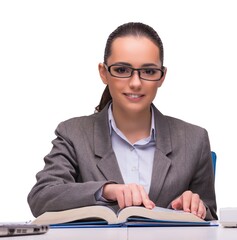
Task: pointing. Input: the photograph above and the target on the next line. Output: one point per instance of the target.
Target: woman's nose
(135, 81)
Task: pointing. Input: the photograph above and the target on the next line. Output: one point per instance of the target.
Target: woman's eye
(149, 71)
(121, 70)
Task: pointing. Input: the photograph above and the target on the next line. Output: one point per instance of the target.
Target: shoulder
(176, 122)
(186, 130)
(84, 125)
(83, 122)
(177, 126)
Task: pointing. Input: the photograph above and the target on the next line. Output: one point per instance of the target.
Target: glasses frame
(134, 69)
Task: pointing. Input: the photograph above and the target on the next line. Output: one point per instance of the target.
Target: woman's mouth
(134, 96)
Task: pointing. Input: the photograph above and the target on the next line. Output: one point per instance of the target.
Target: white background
(49, 52)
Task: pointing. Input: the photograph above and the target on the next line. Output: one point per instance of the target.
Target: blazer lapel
(161, 166)
(161, 162)
(108, 166)
(107, 163)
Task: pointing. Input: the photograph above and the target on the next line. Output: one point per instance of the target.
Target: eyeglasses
(146, 73)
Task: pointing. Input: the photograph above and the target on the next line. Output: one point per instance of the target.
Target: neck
(134, 126)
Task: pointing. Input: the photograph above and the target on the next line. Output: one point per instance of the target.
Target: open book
(130, 216)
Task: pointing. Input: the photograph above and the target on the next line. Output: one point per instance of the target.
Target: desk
(77, 234)
(183, 233)
(155, 233)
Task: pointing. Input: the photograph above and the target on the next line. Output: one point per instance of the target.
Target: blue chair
(213, 155)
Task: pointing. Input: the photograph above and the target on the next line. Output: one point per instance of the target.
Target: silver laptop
(16, 229)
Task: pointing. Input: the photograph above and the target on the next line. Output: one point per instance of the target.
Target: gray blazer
(82, 161)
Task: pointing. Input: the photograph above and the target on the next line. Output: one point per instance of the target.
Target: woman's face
(132, 94)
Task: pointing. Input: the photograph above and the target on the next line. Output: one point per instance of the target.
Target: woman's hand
(190, 202)
(127, 195)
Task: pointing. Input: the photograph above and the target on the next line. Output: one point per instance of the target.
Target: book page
(158, 213)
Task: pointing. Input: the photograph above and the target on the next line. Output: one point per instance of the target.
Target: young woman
(128, 153)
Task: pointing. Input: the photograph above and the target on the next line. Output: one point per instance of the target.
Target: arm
(66, 181)
(200, 197)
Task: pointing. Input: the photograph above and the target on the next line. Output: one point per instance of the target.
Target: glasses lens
(151, 74)
(121, 71)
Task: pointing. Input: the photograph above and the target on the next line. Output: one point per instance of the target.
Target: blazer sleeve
(203, 181)
(61, 184)
(191, 166)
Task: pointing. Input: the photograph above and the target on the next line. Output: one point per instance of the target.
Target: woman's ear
(103, 73)
(163, 77)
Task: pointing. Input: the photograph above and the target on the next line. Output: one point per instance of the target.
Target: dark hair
(128, 29)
